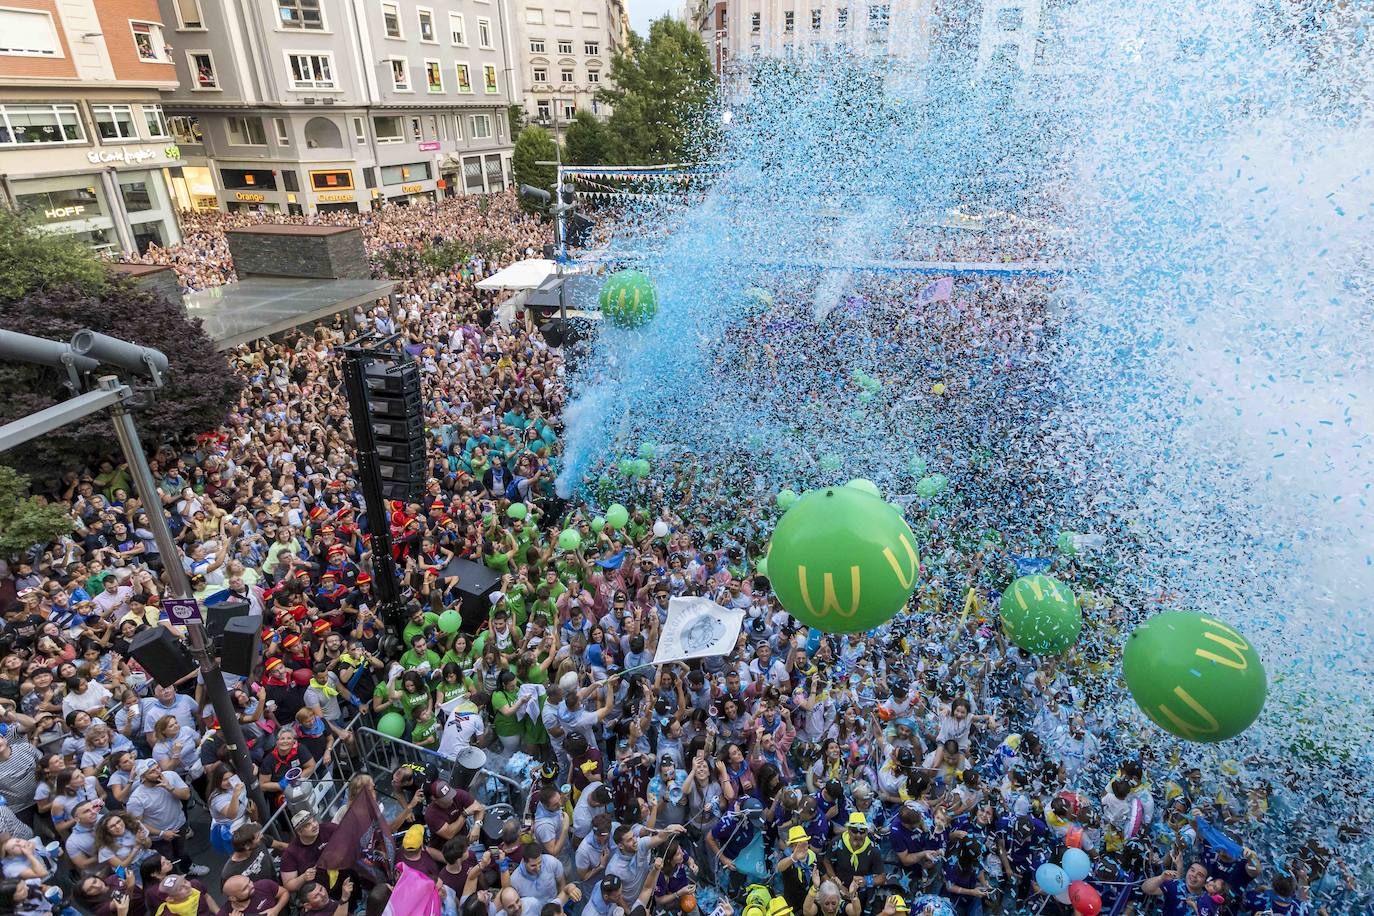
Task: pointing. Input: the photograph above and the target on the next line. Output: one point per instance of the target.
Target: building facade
(84, 143)
(306, 106)
(565, 49)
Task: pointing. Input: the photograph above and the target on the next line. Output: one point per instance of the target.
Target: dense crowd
(928, 767)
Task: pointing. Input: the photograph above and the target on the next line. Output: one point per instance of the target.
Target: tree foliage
(533, 145)
(658, 88)
(587, 141)
(26, 521)
(54, 287)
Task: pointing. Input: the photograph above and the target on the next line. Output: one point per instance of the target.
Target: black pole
(378, 520)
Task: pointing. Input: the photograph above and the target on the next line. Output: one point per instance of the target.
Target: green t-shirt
(462, 661)
(425, 734)
(500, 562)
(410, 660)
(447, 692)
(506, 724)
(418, 629)
(383, 692)
(411, 702)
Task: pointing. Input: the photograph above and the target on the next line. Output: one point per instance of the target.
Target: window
(542, 110)
(1009, 19)
(489, 79)
(186, 129)
(400, 74)
(360, 131)
(289, 181)
(536, 46)
(301, 14)
(591, 48)
(391, 20)
(246, 132)
(399, 174)
(155, 122)
(589, 20)
(534, 16)
(481, 126)
(593, 76)
(457, 30)
(815, 20)
(114, 122)
(484, 33)
(754, 19)
(202, 70)
(148, 40)
(388, 129)
(40, 124)
(877, 17)
(417, 132)
(842, 18)
(434, 75)
(566, 75)
(457, 127)
(569, 111)
(311, 71)
(562, 17)
(28, 33)
(565, 46)
(370, 177)
(250, 179)
(188, 14)
(426, 19)
(541, 75)
(789, 21)
(432, 127)
(283, 137)
(464, 78)
(333, 180)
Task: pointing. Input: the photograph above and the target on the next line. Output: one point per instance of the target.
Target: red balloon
(1085, 898)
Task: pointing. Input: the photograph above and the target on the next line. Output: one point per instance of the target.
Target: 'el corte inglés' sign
(132, 155)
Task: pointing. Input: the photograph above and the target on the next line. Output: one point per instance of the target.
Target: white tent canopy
(520, 275)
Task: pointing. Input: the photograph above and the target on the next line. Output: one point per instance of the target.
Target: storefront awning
(237, 313)
(528, 274)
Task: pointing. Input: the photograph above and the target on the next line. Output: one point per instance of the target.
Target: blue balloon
(1076, 864)
(1052, 879)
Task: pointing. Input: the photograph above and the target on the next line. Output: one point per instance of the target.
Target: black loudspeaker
(217, 616)
(241, 645)
(162, 655)
(475, 583)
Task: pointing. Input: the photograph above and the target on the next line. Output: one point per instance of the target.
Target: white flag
(697, 627)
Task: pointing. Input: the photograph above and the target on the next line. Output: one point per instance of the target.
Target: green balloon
(450, 621)
(569, 539)
(866, 485)
(1040, 615)
(763, 567)
(517, 510)
(916, 467)
(830, 462)
(786, 498)
(646, 451)
(626, 466)
(617, 516)
(1065, 543)
(932, 486)
(841, 560)
(641, 467)
(393, 724)
(865, 397)
(1194, 676)
(628, 299)
(598, 523)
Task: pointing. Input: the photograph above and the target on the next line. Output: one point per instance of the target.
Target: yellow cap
(414, 838)
(798, 835)
(857, 820)
(899, 903)
(779, 906)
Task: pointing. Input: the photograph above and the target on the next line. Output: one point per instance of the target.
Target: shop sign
(250, 198)
(411, 188)
(129, 154)
(429, 145)
(64, 212)
(334, 198)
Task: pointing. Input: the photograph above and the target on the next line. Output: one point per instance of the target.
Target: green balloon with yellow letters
(1194, 676)
(1041, 615)
(842, 560)
(628, 299)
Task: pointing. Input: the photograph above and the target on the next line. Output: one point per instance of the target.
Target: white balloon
(660, 529)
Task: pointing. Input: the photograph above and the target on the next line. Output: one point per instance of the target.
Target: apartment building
(306, 106)
(565, 49)
(84, 142)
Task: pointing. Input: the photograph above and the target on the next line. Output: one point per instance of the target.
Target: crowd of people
(928, 767)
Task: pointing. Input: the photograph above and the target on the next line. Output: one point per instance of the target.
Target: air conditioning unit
(308, 100)
(330, 101)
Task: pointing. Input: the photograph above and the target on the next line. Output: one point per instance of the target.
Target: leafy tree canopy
(659, 89)
(534, 145)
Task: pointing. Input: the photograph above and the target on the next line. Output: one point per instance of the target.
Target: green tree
(534, 145)
(25, 520)
(52, 288)
(659, 89)
(587, 141)
(515, 117)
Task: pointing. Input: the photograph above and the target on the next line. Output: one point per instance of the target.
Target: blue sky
(643, 12)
